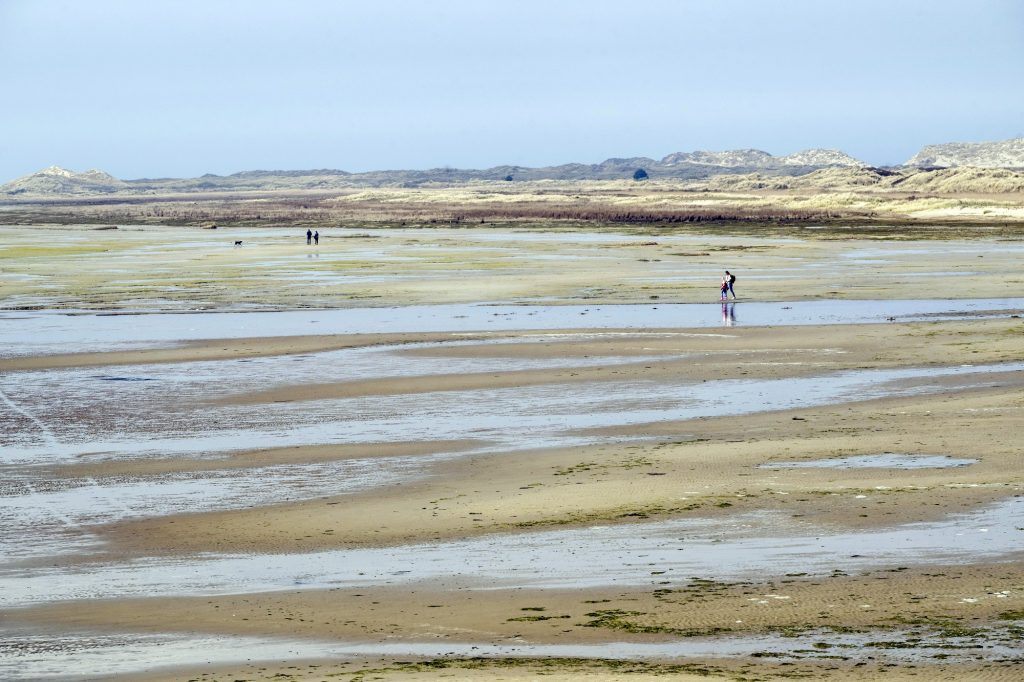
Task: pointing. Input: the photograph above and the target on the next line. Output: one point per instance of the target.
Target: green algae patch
(545, 666)
(618, 619)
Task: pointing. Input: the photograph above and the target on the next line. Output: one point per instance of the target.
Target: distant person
(309, 236)
(725, 288)
(316, 237)
(730, 279)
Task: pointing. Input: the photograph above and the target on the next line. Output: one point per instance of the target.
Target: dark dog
(238, 243)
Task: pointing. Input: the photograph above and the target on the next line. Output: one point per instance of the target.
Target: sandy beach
(444, 496)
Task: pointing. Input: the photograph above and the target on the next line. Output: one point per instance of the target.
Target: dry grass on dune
(827, 196)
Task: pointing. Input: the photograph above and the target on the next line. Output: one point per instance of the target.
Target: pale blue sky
(161, 88)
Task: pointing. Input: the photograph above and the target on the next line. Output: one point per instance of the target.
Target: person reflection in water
(728, 314)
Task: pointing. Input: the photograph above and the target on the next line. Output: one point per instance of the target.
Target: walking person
(309, 236)
(316, 237)
(725, 288)
(730, 279)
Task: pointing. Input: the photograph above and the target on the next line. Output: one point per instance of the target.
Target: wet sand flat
(148, 267)
(940, 601)
(839, 499)
(710, 467)
(705, 469)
